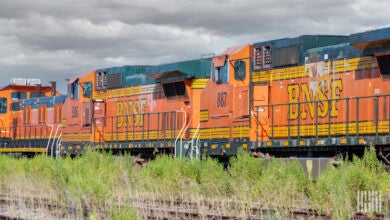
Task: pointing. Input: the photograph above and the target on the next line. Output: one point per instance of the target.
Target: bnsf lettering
(133, 110)
(303, 93)
(221, 99)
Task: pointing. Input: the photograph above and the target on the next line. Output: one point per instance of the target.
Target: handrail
(195, 147)
(198, 151)
(181, 132)
(55, 134)
(145, 129)
(58, 144)
(351, 105)
(325, 100)
(48, 141)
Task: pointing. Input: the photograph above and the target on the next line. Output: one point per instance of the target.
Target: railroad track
(165, 209)
(7, 217)
(172, 209)
(20, 208)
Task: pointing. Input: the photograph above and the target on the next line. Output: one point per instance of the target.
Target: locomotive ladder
(58, 145)
(48, 142)
(190, 148)
(179, 138)
(53, 141)
(194, 143)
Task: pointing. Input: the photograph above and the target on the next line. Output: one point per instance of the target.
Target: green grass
(100, 186)
(336, 189)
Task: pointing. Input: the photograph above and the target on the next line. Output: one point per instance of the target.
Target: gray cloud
(54, 40)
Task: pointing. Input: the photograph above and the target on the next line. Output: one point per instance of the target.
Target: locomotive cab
(77, 114)
(224, 108)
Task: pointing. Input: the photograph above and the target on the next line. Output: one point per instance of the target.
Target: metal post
(127, 130)
(172, 125)
(376, 100)
(143, 129)
(273, 125)
(174, 119)
(29, 136)
(165, 125)
(94, 131)
(41, 132)
(329, 104)
(133, 127)
(299, 122)
(357, 116)
(25, 135)
(112, 130)
(158, 128)
(103, 131)
(148, 134)
(347, 119)
(117, 130)
(317, 119)
(257, 126)
(388, 114)
(35, 135)
(288, 122)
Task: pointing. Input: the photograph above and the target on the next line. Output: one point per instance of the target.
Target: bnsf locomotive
(309, 96)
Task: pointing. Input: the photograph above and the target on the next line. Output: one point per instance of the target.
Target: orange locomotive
(310, 96)
(137, 109)
(30, 117)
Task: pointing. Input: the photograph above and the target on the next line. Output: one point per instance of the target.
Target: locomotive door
(14, 127)
(86, 116)
(241, 103)
(98, 117)
(260, 112)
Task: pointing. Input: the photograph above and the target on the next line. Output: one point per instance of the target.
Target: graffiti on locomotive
(325, 94)
(132, 113)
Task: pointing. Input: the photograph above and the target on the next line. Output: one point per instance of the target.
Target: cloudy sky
(55, 40)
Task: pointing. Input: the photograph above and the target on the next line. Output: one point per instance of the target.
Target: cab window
(18, 96)
(3, 105)
(34, 94)
(87, 90)
(239, 70)
(220, 74)
(74, 91)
